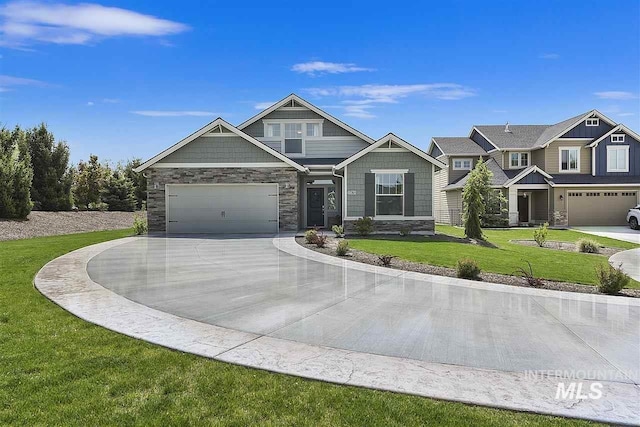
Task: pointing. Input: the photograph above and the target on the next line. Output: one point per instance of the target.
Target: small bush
(139, 225)
(386, 259)
(540, 234)
(343, 248)
(588, 246)
(468, 269)
(310, 236)
(98, 206)
(528, 276)
(321, 240)
(339, 230)
(364, 226)
(611, 280)
(405, 230)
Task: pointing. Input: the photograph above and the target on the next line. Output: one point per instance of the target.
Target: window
(293, 138)
(592, 122)
(462, 164)
(292, 134)
(389, 194)
(618, 158)
(313, 129)
(570, 159)
(617, 137)
(273, 130)
(519, 160)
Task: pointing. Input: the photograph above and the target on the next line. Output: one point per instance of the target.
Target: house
(290, 167)
(582, 171)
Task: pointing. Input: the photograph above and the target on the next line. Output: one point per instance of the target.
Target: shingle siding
(227, 149)
(256, 129)
(634, 157)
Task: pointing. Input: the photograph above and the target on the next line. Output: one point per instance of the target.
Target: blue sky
(127, 79)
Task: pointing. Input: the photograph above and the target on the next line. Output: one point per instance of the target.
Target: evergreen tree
(118, 192)
(138, 180)
(89, 181)
(473, 199)
(15, 174)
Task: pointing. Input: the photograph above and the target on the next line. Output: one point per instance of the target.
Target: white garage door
(597, 207)
(222, 208)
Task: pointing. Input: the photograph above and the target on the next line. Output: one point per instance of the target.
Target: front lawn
(504, 257)
(60, 370)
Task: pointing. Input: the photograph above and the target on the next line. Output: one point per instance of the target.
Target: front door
(523, 209)
(315, 207)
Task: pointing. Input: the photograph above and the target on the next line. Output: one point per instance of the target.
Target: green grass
(504, 258)
(59, 370)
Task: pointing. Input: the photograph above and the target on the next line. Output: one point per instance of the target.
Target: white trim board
(524, 173)
(619, 128)
(219, 165)
(483, 135)
(576, 123)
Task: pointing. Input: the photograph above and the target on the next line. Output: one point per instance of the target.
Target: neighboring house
(581, 171)
(290, 167)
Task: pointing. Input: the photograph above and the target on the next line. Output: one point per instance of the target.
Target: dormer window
(592, 122)
(462, 164)
(519, 160)
(617, 137)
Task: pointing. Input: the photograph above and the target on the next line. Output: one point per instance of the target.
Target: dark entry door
(315, 207)
(523, 209)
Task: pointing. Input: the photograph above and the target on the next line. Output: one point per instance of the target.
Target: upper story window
(389, 194)
(293, 138)
(313, 129)
(570, 159)
(619, 137)
(462, 164)
(618, 158)
(592, 122)
(272, 130)
(292, 134)
(519, 160)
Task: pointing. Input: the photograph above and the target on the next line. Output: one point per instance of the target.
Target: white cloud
(27, 22)
(90, 104)
(320, 67)
(549, 56)
(263, 105)
(500, 111)
(160, 113)
(8, 82)
(626, 114)
(110, 100)
(615, 94)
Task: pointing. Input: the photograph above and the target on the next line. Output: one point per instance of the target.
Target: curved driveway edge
(65, 281)
(629, 261)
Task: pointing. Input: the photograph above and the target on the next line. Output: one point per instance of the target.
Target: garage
(222, 208)
(599, 207)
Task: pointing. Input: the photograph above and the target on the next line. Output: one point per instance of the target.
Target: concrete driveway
(629, 260)
(248, 284)
(623, 233)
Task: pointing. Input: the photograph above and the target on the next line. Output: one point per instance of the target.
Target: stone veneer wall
(287, 179)
(418, 226)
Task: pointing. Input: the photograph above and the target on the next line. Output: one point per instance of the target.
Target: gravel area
(567, 246)
(400, 264)
(40, 224)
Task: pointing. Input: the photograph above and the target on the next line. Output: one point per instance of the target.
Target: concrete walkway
(272, 304)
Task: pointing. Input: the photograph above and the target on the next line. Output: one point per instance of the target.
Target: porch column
(513, 205)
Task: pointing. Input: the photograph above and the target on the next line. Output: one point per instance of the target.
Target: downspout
(343, 192)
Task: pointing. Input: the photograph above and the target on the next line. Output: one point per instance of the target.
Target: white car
(633, 217)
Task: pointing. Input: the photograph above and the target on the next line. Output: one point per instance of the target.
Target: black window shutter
(369, 194)
(409, 191)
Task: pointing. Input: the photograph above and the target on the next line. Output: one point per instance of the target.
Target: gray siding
(481, 141)
(540, 205)
(256, 129)
(227, 149)
(376, 160)
(584, 131)
(334, 149)
(634, 157)
(537, 158)
(455, 175)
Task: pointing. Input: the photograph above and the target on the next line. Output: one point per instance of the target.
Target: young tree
(89, 181)
(52, 178)
(138, 180)
(118, 192)
(15, 174)
(474, 195)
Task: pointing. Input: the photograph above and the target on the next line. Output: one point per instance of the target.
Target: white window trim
(462, 160)
(592, 122)
(281, 138)
(616, 148)
(560, 170)
(520, 165)
(375, 201)
(619, 137)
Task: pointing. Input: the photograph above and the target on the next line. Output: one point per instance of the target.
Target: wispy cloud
(8, 82)
(90, 104)
(499, 111)
(549, 56)
(110, 100)
(23, 23)
(626, 114)
(319, 67)
(160, 113)
(263, 105)
(615, 94)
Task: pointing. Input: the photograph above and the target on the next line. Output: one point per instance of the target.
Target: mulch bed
(567, 246)
(400, 264)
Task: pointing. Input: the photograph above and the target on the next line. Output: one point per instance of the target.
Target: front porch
(529, 205)
(320, 201)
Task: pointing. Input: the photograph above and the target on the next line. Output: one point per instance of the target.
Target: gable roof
(457, 146)
(219, 122)
(619, 128)
(525, 172)
(295, 98)
(396, 140)
(497, 180)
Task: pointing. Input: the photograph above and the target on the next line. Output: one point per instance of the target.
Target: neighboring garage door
(600, 207)
(222, 208)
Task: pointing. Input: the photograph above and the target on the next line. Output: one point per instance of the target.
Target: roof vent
(506, 128)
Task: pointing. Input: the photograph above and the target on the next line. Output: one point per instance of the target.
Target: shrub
(385, 259)
(364, 226)
(310, 236)
(588, 246)
(343, 248)
(405, 230)
(339, 230)
(16, 175)
(528, 276)
(540, 234)
(611, 279)
(321, 240)
(118, 192)
(468, 269)
(139, 225)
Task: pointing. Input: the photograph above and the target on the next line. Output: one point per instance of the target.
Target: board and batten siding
(423, 184)
(220, 149)
(584, 131)
(634, 156)
(552, 156)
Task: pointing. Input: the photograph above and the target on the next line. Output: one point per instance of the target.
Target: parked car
(633, 217)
